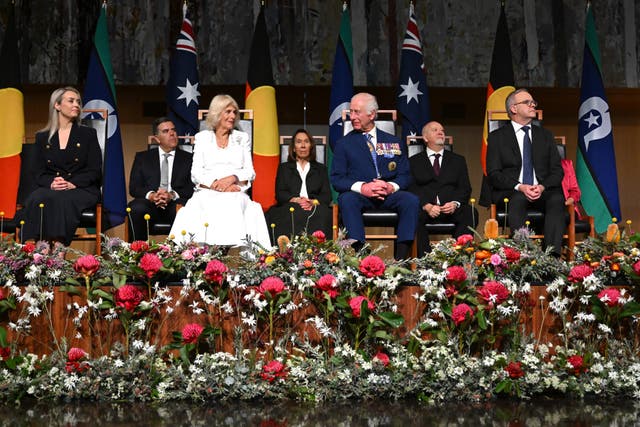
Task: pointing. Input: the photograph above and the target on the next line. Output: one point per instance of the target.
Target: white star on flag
(410, 90)
(189, 92)
(592, 119)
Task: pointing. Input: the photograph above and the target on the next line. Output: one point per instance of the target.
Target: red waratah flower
(456, 274)
(5, 352)
(273, 285)
(329, 284)
(2, 295)
(575, 364)
(76, 354)
(28, 247)
(579, 272)
(214, 272)
(139, 246)
(191, 333)
(86, 265)
(382, 358)
(460, 312)
(494, 293)
(129, 297)
(356, 303)
(636, 267)
(511, 254)
(319, 235)
(464, 239)
(273, 370)
(372, 266)
(514, 369)
(151, 264)
(609, 296)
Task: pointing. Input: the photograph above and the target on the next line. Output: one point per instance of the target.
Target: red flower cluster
(2, 295)
(464, 239)
(151, 264)
(129, 297)
(273, 370)
(191, 333)
(610, 296)
(74, 358)
(319, 235)
(636, 267)
(459, 313)
(494, 293)
(28, 247)
(456, 274)
(575, 365)
(382, 358)
(5, 352)
(372, 266)
(214, 272)
(87, 265)
(274, 285)
(514, 369)
(511, 254)
(139, 246)
(356, 303)
(329, 284)
(579, 272)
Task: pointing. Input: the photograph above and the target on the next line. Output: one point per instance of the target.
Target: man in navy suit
(151, 195)
(524, 166)
(370, 170)
(441, 182)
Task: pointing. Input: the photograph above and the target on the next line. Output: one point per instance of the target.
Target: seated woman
(67, 170)
(302, 184)
(220, 212)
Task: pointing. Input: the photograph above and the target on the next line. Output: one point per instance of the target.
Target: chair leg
(335, 215)
(99, 229)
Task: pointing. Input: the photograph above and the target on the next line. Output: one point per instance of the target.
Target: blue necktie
(527, 158)
(372, 150)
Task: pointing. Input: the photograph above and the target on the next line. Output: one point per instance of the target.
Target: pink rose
(191, 333)
(273, 370)
(459, 313)
(139, 246)
(76, 354)
(273, 285)
(382, 358)
(512, 255)
(514, 369)
(456, 274)
(319, 235)
(579, 272)
(576, 364)
(493, 293)
(372, 266)
(187, 255)
(129, 297)
(609, 296)
(636, 267)
(356, 304)
(495, 259)
(151, 264)
(328, 284)
(87, 265)
(464, 239)
(214, 272)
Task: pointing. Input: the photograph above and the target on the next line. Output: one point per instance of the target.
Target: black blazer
(145, 174)
(504, 161)
(451, 185)
(288, 183)
(79, 163)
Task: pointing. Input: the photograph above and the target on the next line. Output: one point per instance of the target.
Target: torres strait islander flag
(595, 158)
(261, 98)
(501, 83)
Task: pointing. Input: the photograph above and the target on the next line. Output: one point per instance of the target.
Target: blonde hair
(217, 106)
(56, 97)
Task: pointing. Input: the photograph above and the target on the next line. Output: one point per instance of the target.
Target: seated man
(370, 170)
(523, 165)
(441, 182)
(159, 179)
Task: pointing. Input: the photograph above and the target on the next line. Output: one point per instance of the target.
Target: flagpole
(304, 110)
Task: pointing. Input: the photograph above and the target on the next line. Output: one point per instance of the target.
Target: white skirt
(231, 218)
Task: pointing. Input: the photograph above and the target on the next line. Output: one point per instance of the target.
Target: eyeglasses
(528, 102)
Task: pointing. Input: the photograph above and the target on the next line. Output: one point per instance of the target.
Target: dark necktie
(164, 171)
(527, 158)
(436, 163)
(372, 150)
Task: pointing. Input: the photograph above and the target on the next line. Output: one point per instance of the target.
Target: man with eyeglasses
(524, 166)
(370, 170)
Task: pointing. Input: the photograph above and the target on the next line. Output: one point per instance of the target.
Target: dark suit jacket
(288, 183)
(451, 185)
(79, 163)
(145, 174)
(352, 161)
(504, 161)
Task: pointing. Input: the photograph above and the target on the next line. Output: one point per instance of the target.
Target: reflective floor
(538, 412)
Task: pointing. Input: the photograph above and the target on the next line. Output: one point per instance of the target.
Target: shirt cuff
(357, 186)
(395, 186)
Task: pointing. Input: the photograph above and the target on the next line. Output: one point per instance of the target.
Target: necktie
(372, 150)
(527, 160)
(436, 163)
(164, 171)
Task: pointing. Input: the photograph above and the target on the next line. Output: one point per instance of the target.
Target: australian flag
(182, 87)
(413, 95)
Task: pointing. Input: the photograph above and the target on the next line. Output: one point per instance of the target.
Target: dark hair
(312, 152)
(157, 122)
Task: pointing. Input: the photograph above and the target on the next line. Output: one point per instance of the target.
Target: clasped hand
(377, 189)
(531, 192)
(304, 202)
(226, 184)
(435, 211)
(161, 198)
(60, 184)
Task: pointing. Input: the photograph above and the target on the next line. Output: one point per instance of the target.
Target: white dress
(233, 217)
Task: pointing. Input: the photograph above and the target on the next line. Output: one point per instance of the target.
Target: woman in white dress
(220, 212)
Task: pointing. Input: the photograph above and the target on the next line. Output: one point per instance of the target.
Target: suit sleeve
(498, 165)
(339, 168)
(284, 187)
(183, 186)
(462, 191)
(403, 177)
(136, 178)
(324, 196)
(554, 178)
(44, 176)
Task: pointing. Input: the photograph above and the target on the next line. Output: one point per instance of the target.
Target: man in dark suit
(523, 165)
(151, 195)
(441, 182)
(370, 170)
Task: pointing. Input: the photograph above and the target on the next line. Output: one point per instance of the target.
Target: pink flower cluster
(273, 370)
(456, 274)
(460, 313)
(493, 293)
(150, 264)
(87, 265)
(129, 297)
(579, 272)
(215, 271)
(464, 239)
(139, 246)
(329, 284)
(382, 358)
(74, 360)
(274, 285)
(610, 296)
(372, 266)
(356, 304)
(191, 332)
(319, 235)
